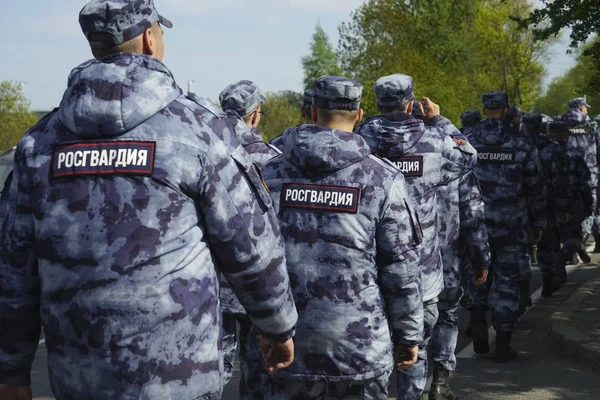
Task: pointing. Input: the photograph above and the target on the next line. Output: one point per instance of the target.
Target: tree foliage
(15, 117)
(581, 16)
(323, 59)
(455, 52)
(576, 82)
(282, 111)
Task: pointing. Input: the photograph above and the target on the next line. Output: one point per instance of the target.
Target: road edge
(568, 341)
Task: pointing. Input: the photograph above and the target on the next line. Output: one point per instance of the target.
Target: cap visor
(165, 22)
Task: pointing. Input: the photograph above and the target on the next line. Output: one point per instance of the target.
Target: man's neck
(340, 126)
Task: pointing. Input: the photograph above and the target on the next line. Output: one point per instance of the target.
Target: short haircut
(131, 46)
(328, 116)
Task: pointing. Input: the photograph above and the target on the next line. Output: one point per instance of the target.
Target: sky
(214, 43)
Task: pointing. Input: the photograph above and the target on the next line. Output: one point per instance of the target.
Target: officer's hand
(276, 355)
(535, 236)
(405, 356)
(429, 109)
(481, 277)
(15, 392)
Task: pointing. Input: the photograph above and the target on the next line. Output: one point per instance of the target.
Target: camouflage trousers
(412, 381)
(466, 301)
(549, 250)
(230, 344)
(506, 268)
(445, 332)
(589, 222)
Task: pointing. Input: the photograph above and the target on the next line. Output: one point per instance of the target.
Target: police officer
(548, 249)
(305, 112)
(350, 242)
(508, 169)
(585, 138)
(469, 119)
(428, 157)
(121, 203)
(243, 101)
(572, 192)
(463, 239)
(514, 117)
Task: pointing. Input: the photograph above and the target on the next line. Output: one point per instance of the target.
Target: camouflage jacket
(350, 247)
(277, 141)
(428, 157)
(585, 139)
(547, 151)
(461, 220)
(259, 152)
(512, 183)
(570, 183)
(120, 204)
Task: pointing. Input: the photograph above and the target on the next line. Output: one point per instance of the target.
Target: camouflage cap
(394, 90)
(470, 118)
(597, 117)
(558, 127)
(578, 102)
(307, 99)
(515, 111)
(495, 100)
(119, 21)
(533, 119)
(242, 97)
(337, 93)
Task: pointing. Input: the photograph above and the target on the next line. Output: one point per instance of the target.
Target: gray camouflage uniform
(428, 158)
(463, 239)
(509, 172)
(350, 244)
(240, 99)
(585, 138)
(121, 204)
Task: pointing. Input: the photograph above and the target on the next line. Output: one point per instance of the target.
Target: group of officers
(154, 235)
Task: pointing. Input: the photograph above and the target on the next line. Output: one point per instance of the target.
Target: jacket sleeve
(398, 235)
(19, 282)
(534, 189)
(245, 239)
(472, 221)
(459, 157)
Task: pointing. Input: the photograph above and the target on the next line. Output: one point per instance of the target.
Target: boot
(440, 385)
(583, 254)
(481, 343)
(524, 296)
(551, 284)
(504, 353)
(597, 244)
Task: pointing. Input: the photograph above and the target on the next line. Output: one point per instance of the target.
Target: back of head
(559, 131)
(470, 118)
(495, 104)
(337, 102)
(243, 97)
(394, 93)
(534, 123)
(578, 103)
(116, 26)
(514, 112)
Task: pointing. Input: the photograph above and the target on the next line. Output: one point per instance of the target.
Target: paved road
(537, 375)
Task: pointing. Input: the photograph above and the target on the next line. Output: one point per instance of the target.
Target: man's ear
(149, 42)
(359, 116)
(315, 116)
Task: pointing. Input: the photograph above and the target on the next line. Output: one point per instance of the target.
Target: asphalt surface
(538, 374)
